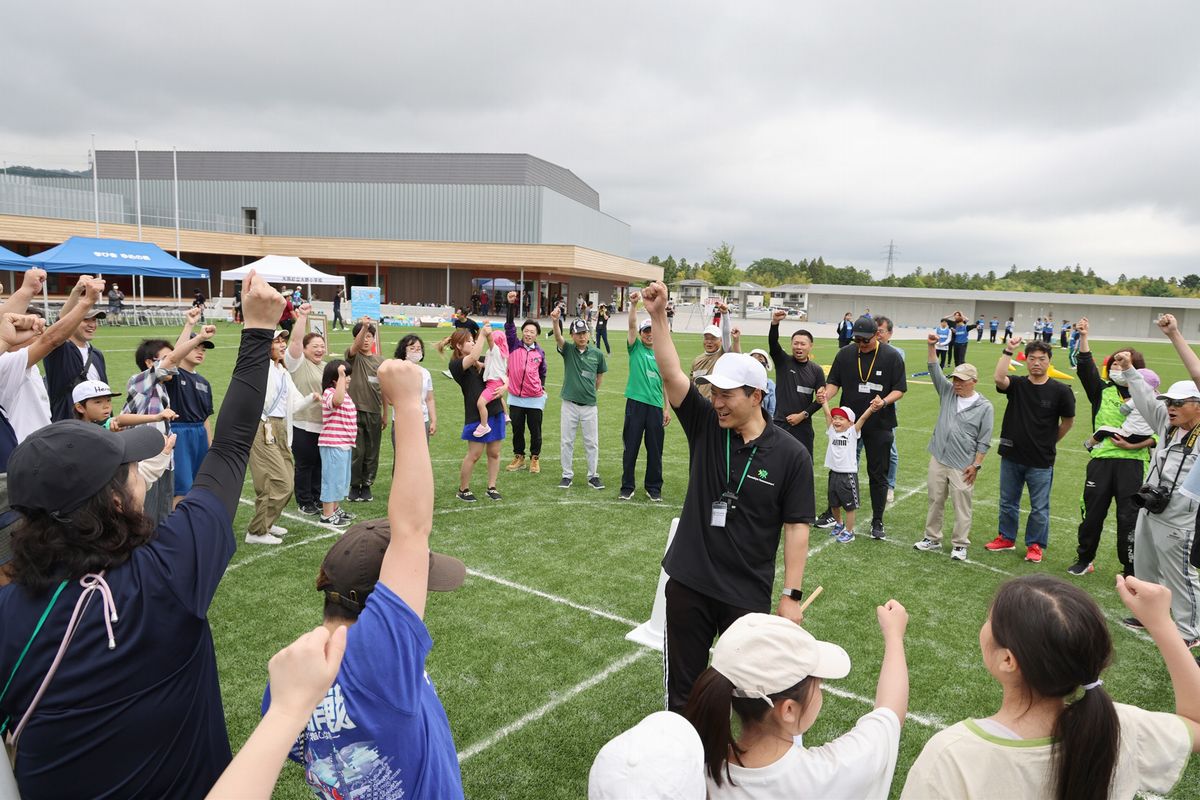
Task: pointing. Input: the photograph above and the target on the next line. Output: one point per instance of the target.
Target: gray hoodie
(1180, 512)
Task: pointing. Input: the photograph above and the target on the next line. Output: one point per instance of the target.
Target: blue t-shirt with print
(381, 731)
(960, 333)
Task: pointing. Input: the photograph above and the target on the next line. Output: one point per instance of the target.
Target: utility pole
(892, 252)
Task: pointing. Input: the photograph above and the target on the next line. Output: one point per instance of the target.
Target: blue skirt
(495, 422)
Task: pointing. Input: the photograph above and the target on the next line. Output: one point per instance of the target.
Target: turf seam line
(554, 703)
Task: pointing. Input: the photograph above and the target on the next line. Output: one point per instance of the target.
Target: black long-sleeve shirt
(796, 382)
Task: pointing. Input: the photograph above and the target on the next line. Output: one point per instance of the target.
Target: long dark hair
(709, 707)
(1060, 640)
(329, 377)
(99, 535)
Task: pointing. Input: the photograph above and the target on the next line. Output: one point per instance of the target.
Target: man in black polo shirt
(797, 379)
(866, 370)
(747, 480)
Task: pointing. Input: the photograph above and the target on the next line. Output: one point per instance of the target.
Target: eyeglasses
(1179, 403)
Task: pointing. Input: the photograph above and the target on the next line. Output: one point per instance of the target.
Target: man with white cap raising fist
(718, 340)
(747, 481)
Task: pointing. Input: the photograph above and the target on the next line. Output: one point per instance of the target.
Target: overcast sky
(974, 135)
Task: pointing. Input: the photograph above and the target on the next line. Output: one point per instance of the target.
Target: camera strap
(1189, 444)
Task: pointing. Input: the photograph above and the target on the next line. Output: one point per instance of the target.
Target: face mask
(1118, 378)
(416, 356)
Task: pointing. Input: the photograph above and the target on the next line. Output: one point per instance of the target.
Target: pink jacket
(526, 366)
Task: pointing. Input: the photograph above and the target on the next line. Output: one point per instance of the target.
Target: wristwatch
(795, 594)
(977, 467)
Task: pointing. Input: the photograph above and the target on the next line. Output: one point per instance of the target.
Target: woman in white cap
(1057, 733)
(768, 671)
(768, 403)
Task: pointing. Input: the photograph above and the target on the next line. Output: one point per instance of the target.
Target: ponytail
(1087, 738)
(708, 709)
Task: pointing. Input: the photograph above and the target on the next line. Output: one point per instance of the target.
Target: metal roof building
(430, 225)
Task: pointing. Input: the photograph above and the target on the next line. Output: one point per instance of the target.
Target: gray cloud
(975, 136)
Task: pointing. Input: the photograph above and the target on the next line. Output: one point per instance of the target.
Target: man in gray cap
(375, 579)
(76, 359)
(867, 369)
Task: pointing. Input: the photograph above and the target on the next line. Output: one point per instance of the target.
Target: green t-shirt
(364, 382)
(580, 371)
(645, 383)
(1109, 413)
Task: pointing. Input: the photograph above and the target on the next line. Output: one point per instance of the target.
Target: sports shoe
(1133, 622)
(877, 531)
(565, 483)
(517, 463)
(595, 482)
(353, 496)
(277, 530)
(535, 465)
(1033, 553)
(263, 538)
(927, 545)
(653, 496)
(364, 494)
(837, 529)
(335, 519)
(845, 536)
(891, 497)
(958, 554)
(465, 495)
(344, 514)
(1000, 544)
(492, 493)
(1192, 644)
(310, 510)
(1081, 568)
(826, 520)
(625, 494)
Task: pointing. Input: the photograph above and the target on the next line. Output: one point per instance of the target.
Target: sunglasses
(1179, 403)
(863, 339)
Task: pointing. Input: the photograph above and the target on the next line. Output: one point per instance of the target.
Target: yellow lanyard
(870, 369)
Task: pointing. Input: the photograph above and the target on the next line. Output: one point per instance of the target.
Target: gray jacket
(1180, 512)
(958, 437)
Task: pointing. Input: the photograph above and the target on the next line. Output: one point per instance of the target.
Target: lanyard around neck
(858, 363)
(745, 472)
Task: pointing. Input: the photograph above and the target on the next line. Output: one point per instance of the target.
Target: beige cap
(764, 654)
(966, 372)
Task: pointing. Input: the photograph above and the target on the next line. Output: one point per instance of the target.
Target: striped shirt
(340, 424)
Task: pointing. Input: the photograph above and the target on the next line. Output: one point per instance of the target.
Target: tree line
(721, 269)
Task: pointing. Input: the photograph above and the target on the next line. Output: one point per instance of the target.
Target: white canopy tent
(284, 269)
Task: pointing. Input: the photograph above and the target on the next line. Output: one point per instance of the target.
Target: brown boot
(535, 466)
(518, 462)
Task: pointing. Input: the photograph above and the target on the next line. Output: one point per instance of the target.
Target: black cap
(206, 344)
(579, 326)
(864, 327)
(9, 517)
(351, 567)
(58, 468)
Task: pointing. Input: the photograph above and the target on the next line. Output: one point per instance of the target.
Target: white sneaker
(278, 530)
(959, 554)
(265, 538)
(927, 545)
(891, 496)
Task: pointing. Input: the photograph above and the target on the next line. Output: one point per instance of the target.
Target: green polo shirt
(645, 383)
(580, 371)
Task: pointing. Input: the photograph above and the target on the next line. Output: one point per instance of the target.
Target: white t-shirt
(23, 394)
(963, 403)
(964, 762)
(858, 764)
(93, 373)
(842, 453)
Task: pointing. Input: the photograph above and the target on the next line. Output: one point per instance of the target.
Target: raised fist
(778, 316)
(1082, 326)
(932, 338)
(207, 332)
(1015, 342)
(1167, 324)
(512, 298)
(193, 315)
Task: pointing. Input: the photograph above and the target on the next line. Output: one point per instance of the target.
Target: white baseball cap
(736, 369)
(87, 390)
(660, 757)
(764, 654)
(712, 330)
(1181, 390)
(758, 351)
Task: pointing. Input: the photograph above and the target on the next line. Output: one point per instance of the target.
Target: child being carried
(1135, 429)
(495, 376)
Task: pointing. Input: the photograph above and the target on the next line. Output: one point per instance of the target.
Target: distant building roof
(1041, 298)
(691, 282)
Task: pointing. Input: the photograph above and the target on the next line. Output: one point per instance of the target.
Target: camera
(1152, 498)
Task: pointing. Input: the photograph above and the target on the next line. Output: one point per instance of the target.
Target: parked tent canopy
(284, 269)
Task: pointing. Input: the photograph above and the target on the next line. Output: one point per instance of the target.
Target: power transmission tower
(892, 252)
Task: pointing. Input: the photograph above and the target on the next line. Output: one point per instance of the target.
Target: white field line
(270, 550)
(557, 701)
(920, 719)
(596, 612)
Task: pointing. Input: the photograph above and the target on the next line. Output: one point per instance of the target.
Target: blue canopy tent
(10, 260)
(115, 257)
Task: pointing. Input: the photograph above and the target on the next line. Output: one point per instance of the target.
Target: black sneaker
(344, 514)
(654, 496)
(626, 494)
(1081, 568)
(492, 493)
(595, 482)
(877, 531)
(364, 495)
(311, 510)
(465, 495)
(826, 520)
(353, 496)
(1133, 622)
(565, 483)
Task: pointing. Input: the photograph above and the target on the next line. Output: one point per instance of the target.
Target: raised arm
(892, 690)
(86, 293)
(31, 287)
(296, 340)
(632, 317)
(876, 404)
(1140, 393)
(1167, 324)
(405, 568)
(726, 329)
(339, 389)
(1086, 369)
(1000, 376)
(777, 354)
(556, 326)
(485, 334)
(675, 380)
(224, 468)
(510, 323)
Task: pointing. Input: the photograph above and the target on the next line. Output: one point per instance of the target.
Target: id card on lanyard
(728, 501)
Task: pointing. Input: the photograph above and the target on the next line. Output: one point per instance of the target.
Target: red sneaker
(1000, 543)
(1034, 553)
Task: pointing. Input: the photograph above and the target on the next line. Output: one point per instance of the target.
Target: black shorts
(843, 490)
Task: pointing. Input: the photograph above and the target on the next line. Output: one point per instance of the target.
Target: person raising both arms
(798, 378)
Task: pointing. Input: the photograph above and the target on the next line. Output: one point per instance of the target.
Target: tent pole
(175, 167)
(95, 187)
(447, 284)
(521, 295)
(137, 190)
(46, 300)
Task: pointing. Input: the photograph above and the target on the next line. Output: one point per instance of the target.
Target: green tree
(722, 267)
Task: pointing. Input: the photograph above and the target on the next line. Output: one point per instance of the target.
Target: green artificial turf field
(530, 657)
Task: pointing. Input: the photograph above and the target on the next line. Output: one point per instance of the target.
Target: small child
(339, 432)
(841, 459)
(495, 375)
(1135, 429)
(93, 403)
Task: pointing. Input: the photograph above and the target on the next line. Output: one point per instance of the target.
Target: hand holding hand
(877, 403)
(302, 672)
(821, 396)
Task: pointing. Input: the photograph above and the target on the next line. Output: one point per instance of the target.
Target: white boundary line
(597, 612)
(558, 700)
